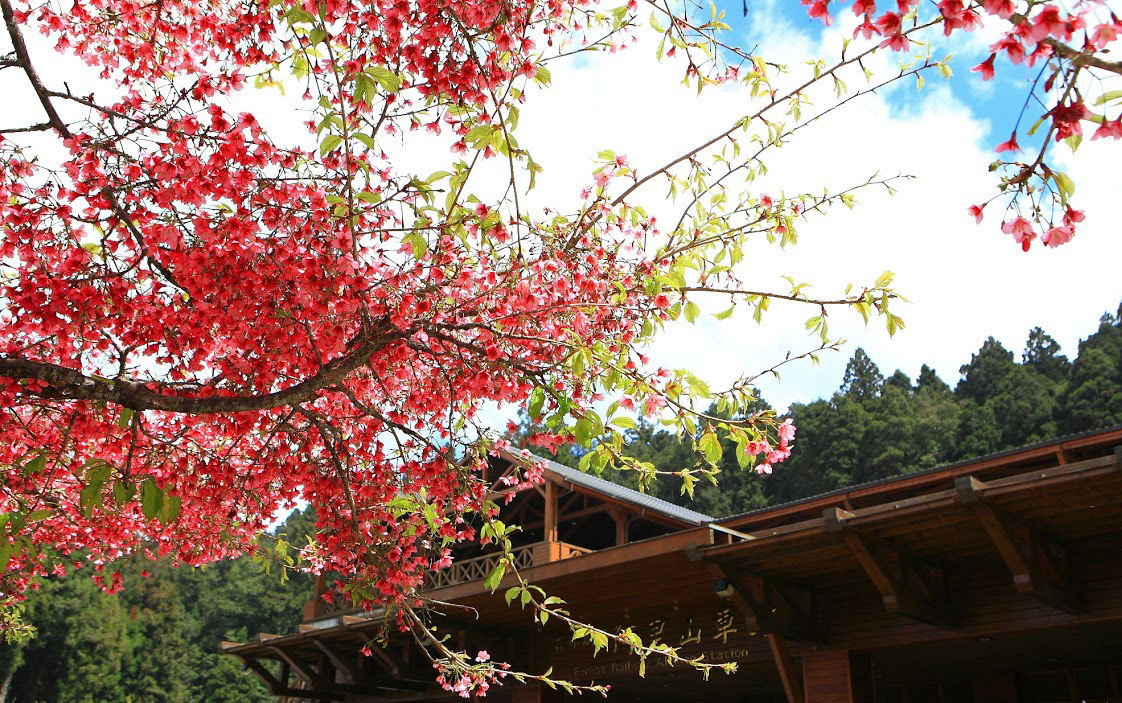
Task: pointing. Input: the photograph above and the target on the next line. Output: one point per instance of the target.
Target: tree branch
(67, 384)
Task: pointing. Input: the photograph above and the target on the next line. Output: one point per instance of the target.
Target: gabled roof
(611, 490)
(622, 493)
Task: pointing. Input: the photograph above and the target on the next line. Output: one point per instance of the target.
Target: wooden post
(788, 673)
(622, 520)
(550, 511)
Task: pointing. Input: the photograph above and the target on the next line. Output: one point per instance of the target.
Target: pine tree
(862, 377)
(1043, 354)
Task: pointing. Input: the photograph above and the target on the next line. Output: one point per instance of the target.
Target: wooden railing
(463, 571)
(478, 568)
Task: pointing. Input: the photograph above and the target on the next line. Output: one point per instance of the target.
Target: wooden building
(997, 580)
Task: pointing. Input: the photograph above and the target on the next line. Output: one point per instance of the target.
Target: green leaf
(329, 144)
(35, 465)
(121, 492)
(5, 553)
(692, 311)
(1065, 184)
(151, 498)
(170, 509)
(884, 279)
(495, 577)
(711, 447)
(390, 81)
(583, 432)
(1108, 96)
(418, 244)
(599, 641)
(542, 76)
(512, 593)
(725, 314)
(537, 400)
(624, 422)
(89, 498)
(97, 471)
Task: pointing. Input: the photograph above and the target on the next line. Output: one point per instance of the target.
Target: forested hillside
(875, 426)
(157, 641)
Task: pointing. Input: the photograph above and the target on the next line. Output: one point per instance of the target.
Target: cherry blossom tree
(202, 323)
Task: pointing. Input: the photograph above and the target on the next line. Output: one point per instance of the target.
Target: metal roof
(642, 500)
(934, 470)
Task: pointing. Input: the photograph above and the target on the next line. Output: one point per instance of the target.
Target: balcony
(463, 571)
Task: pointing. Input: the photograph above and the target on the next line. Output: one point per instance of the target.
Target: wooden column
(788, 672)
(550, 511)
(622, 519)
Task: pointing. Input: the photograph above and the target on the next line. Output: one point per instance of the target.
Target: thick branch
(23, 59)
(1083, 58)
(67, 384)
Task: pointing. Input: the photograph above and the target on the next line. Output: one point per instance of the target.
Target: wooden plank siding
(826, 677)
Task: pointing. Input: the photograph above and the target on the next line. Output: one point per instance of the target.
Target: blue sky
(1000, 100)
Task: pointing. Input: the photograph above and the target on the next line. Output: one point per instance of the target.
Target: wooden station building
(996, 580)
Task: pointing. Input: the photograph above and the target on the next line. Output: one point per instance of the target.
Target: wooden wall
(826, 677)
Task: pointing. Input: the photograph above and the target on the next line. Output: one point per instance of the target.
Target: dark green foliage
(1042, 353)
(157, 641)
(1093, 397)
(986, 372)
(862, 377)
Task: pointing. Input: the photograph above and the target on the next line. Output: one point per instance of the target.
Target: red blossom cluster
(1067, 40)
(200, 327)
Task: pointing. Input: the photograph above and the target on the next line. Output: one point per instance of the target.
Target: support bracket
(910, 586)
(1040, 565)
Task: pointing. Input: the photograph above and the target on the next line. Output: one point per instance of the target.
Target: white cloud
(965, 281)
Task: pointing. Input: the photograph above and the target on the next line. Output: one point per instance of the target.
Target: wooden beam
(1040, 566)
(338, 660)
(572, 515)
(788, 672)
(308, 675)
(388, 663)
(550, 511)
(909, 586)
(767, 607)
(928, 480)
(281, 689)
(264, 674)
